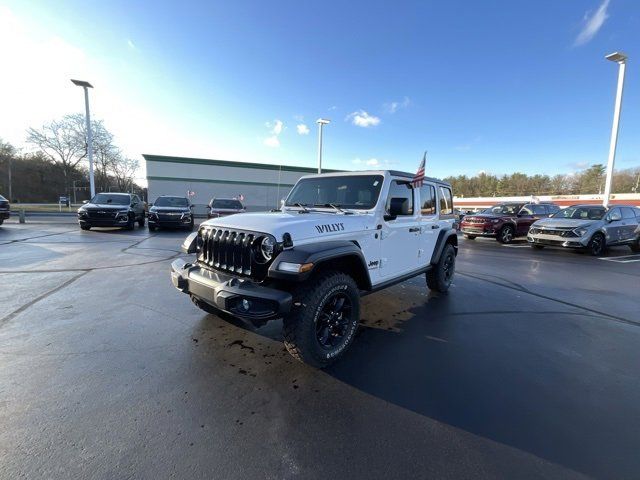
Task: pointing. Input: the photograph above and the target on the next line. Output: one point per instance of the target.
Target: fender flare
(318, 253)
(444, 237)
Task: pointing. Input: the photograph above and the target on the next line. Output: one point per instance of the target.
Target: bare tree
(62, 141)
(123, 170)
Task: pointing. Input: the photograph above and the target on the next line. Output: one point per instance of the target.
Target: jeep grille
(233, 251)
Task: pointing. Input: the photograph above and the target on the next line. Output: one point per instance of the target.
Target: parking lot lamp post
(86, 86)
(621, 59)
(321, 122)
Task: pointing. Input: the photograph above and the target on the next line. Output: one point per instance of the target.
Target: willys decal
(330, 227)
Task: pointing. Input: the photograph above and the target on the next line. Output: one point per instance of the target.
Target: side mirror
(614, 217)
(397, 206)
(85, 201)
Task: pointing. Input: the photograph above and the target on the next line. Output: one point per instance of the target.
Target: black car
(168, 211)
(112, 210)
(5, 209)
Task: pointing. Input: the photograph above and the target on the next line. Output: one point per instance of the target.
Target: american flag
(418, 178)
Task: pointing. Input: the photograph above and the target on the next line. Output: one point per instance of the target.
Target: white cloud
(332, 108)
(463, 148)
(592, 24)
(360, 118)
(372, 162)
(393, 107)
(272, 141)
(275, 129)
(302, 129)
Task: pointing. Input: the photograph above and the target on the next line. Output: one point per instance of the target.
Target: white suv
(337, 236)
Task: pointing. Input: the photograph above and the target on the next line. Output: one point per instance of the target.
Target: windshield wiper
(332, 205)
(303, 206)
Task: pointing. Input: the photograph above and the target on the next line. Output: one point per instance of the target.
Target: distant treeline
(57, 165)
(590, 180)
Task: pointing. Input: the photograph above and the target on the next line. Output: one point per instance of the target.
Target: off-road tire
(203, 305)
(440, 276)
(299, 326)
(131, 223)
(635, 246)
(85, 227)
(597, 245)
(506, 234)
(469, 237)
(141, 221)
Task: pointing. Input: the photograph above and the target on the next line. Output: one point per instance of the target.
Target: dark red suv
(221, 207)
(505, 221)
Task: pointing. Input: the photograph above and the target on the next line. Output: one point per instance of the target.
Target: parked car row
(126, 209)
(589, 227)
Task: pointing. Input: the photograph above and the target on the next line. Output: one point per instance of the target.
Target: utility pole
(10, 186)
(86, 86)
(321, 122)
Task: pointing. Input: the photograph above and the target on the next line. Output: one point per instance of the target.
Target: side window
(615, 214)
(553, 208)
(427, 199)
(446, 201)
(539, 209)
(627, 212)
(401, 190)
(526, 210)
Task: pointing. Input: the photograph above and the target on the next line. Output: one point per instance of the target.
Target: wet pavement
(528, 368)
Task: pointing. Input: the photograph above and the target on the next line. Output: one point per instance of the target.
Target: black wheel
(469, 237)
(152, 228)
(440, 276)
(537, 247)
(597, 245)
(191, 225)
(635, 246)
(141, 221)
(131, 223)
(85, 227)
(1, 221)
(203, 305)
(323, 320)
(506, 234)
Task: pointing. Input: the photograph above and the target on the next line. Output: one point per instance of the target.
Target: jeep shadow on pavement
(337, 237)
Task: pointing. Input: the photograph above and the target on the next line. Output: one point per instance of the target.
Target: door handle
(414, 229)
(435, 227)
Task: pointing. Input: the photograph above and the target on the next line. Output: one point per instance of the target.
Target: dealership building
(260, 186)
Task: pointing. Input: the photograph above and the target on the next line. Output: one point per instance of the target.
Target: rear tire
(141, 221)
(597, 245)
(635, 246)
(440, 277)
(323, 320)
(469, 237)
(506, 234)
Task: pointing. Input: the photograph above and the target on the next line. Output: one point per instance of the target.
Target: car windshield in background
(171, 202)
(353, 191)
(110, 199)
(2, 198)
(229, 204)
(581, 213)
(503, 209)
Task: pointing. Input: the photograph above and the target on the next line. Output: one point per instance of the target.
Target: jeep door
(399, 234)
(429, 222)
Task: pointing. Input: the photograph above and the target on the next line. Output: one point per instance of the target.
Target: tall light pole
(621, 59)
(86, 86)
(321, 122)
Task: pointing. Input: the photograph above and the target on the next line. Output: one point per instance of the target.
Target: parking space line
(622, 259)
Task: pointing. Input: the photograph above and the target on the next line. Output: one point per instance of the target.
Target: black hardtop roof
(398, 173)
(115, 193)
(593, 205)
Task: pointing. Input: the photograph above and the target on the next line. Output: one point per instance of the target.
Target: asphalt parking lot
(528, 368)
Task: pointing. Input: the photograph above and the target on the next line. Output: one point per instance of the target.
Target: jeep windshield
(581, 213)
(226, 204)
(111, 199)
(504, 209)
(357, 192)
(171, 202)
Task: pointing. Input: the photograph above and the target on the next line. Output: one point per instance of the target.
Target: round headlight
(266, 247)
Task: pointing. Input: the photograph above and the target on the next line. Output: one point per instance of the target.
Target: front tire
(440, 277)
(537, 247)
(635, 246)
(323, 320)
(85, 227)
(131, 223)
(506, 234)
(152, 228)
(469, 237)
(597, 245)
(141, 221)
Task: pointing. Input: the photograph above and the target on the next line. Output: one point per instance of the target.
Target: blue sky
(496, 86)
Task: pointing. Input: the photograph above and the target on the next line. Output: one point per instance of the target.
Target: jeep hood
(564, 222)
(301, 226)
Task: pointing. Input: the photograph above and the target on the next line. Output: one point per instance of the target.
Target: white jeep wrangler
(338, 236)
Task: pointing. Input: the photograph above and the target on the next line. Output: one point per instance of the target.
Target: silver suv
(591, 227)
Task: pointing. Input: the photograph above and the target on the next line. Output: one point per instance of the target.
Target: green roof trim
(227, 182)
(229, 163)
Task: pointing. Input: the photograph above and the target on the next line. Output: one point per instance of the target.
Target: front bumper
(237, 296)
(478, 229)
(4, 214)
(164, 221)
(119, 221)
(556, 241)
